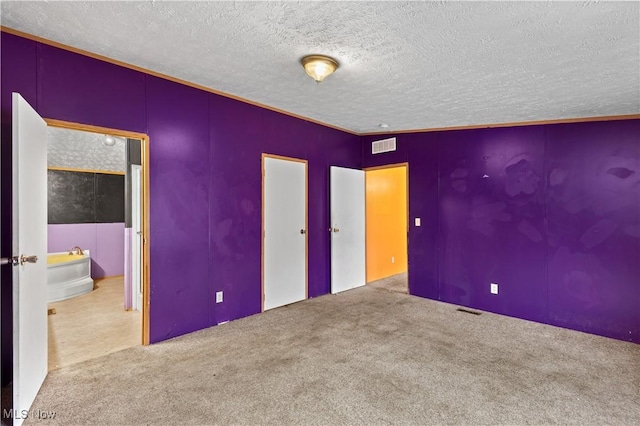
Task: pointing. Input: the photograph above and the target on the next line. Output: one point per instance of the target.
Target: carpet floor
(366, 356)
(398, 282)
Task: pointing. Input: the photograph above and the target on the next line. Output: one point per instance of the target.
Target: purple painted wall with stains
(551, 213)
(205, 178)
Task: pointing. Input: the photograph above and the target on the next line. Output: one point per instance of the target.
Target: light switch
(417, 221)
(494, 288)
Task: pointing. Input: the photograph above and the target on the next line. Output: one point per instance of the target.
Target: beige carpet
(398, 283)
(92, 325)
(366, 356)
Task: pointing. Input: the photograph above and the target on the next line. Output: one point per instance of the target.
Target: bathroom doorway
(97, 218)
(387, 207)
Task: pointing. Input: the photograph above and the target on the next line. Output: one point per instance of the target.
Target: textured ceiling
(77, 149)
(412, 65)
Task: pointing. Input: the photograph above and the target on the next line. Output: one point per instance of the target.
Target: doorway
(29, 257)
(387, 210)
(284, 231)
(98, 204)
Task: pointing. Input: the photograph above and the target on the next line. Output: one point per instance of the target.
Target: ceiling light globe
(319, 67)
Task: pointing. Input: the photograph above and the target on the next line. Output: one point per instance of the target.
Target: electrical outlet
(218, 297)
(393, 259)
(494, 288)
(417, 221)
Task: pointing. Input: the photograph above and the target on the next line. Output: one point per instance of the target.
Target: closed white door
(348, 267)
(30, 247)
(136, 235)
(285, 231)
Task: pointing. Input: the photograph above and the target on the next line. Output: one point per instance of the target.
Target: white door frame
(305, 229)
(136, 236)
(146, 225)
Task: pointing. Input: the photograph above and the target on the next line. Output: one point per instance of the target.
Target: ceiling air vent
(384, 145)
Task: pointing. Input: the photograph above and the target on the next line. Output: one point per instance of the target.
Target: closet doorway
(284, 231)
(387, 209)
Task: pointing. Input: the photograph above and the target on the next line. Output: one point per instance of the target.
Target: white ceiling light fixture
(318, 67)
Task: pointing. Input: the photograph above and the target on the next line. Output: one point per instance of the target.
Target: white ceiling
(77, 149)
(412, 65)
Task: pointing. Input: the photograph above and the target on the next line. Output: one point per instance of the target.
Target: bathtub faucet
(76, 250)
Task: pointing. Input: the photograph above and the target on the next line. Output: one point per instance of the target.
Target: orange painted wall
(386, 212)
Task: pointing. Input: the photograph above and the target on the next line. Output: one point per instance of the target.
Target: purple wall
(543, 223)
(550, 213)
(235, 196)
(17, 73)
(205, 178)
(104, 240)
(593, 214)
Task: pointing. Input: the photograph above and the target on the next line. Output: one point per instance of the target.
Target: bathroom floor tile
(92, 325)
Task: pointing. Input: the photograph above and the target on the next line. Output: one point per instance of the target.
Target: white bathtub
(68, 275)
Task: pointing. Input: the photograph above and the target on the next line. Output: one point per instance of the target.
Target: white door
(136, 235)
(285, 232)
(348, 267)
(29, 239)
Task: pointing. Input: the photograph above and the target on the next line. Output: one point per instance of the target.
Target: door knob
(28, 259)
(303, 231)
(336, 229)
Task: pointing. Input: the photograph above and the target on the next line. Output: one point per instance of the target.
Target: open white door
(136, 235)
(30, 248)
(348, 268)
(285, 234)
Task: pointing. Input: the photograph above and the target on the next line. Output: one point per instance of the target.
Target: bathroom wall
(550, 213)
(87, 210)
(205, 178)
(83, 197)
(104, 240)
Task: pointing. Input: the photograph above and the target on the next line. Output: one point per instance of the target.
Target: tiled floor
(398, 283)
(92, 325)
